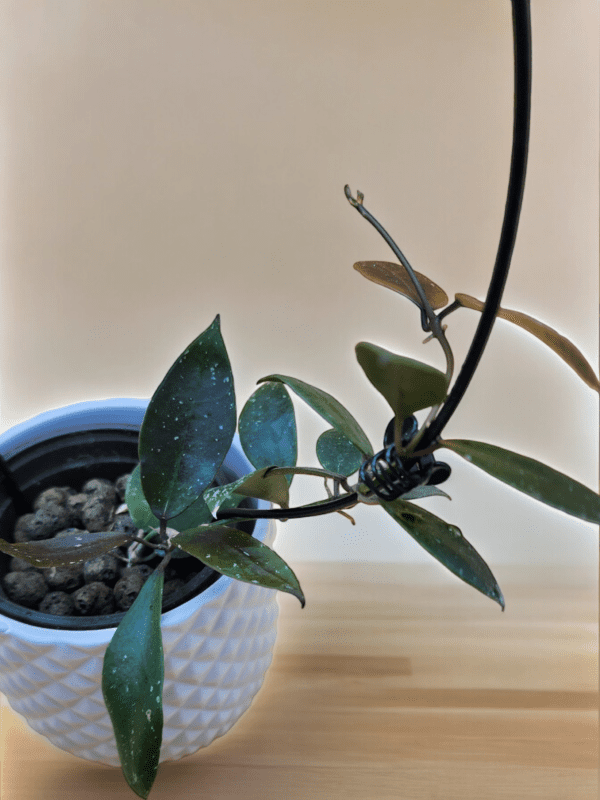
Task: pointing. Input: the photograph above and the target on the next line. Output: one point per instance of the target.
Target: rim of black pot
(71, 459)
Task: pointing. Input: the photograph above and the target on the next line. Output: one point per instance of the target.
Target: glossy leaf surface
(67, 550)
(196, 514)
(263, 484)
(406, 384)
(446, 543)
(137, 505)
(329, 408)
(530, 477)
(395, 277)
(188, 426)
(223, 496)
(570, 354)
(238, 555)
(336, 453)
(132, 684)
(419, 492)
(267, 428)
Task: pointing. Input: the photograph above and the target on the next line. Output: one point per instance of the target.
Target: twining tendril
(428, 315)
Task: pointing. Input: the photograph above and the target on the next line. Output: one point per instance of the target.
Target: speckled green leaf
(446, 543)
(188, 426)
(337, 453)
(132, 684)
(329, 408)
(406, 384)
(395, 277)
(262, 484)
(267, 427)
(223, 496)
(70, 549)
(238, 555)
(564, 348)
(195, 514)
(531, 477)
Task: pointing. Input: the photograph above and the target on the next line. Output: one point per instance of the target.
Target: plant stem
(449, 309)
(148, 544)
(516, 185)
(320, 473)
(165, 561)
(434, 323)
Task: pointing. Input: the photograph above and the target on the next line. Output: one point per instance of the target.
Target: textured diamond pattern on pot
(215, 662)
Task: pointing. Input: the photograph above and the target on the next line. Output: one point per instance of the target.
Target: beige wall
(166, 161)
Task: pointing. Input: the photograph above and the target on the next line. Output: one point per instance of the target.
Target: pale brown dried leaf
(553, 339)
(395, 277)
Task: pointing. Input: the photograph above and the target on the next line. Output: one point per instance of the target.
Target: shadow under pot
(218, 634)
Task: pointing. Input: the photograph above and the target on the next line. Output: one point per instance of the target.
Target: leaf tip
(499, 598)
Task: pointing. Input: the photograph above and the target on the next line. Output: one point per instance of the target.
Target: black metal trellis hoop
(521, 17)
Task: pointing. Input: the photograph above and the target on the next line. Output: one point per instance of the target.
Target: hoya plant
(190, 423)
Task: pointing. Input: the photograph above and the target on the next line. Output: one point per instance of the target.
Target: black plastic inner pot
(71, 460)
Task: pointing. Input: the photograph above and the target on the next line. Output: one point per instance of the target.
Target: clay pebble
(64, 579)
(26, 588)
(143, 570)
(127, 589)
(121, 486)
(97, 513)
(55, 495)
(59, 604)
(103, 568)
(94, 599)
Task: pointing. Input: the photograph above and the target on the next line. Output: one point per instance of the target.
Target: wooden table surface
(394, 683)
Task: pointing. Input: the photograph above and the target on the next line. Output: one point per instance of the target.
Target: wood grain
(394, 682)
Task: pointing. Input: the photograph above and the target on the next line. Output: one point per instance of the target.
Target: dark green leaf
(137, 505)
(195, 514)
(570, 354)
(531, 477)
(446, 543)
(188, 426)
(267, 427)
(407, 385)
(70, 549)
(237, 555)
(223, 496)
(424, 491)
(329, 408)
(395, 277)
(132, 684)
(336, 453)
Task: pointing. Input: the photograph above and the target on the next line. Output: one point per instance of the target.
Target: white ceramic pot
(217, 645)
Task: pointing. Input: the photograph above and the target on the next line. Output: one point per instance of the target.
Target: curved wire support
(514, 198)
(386, 471)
